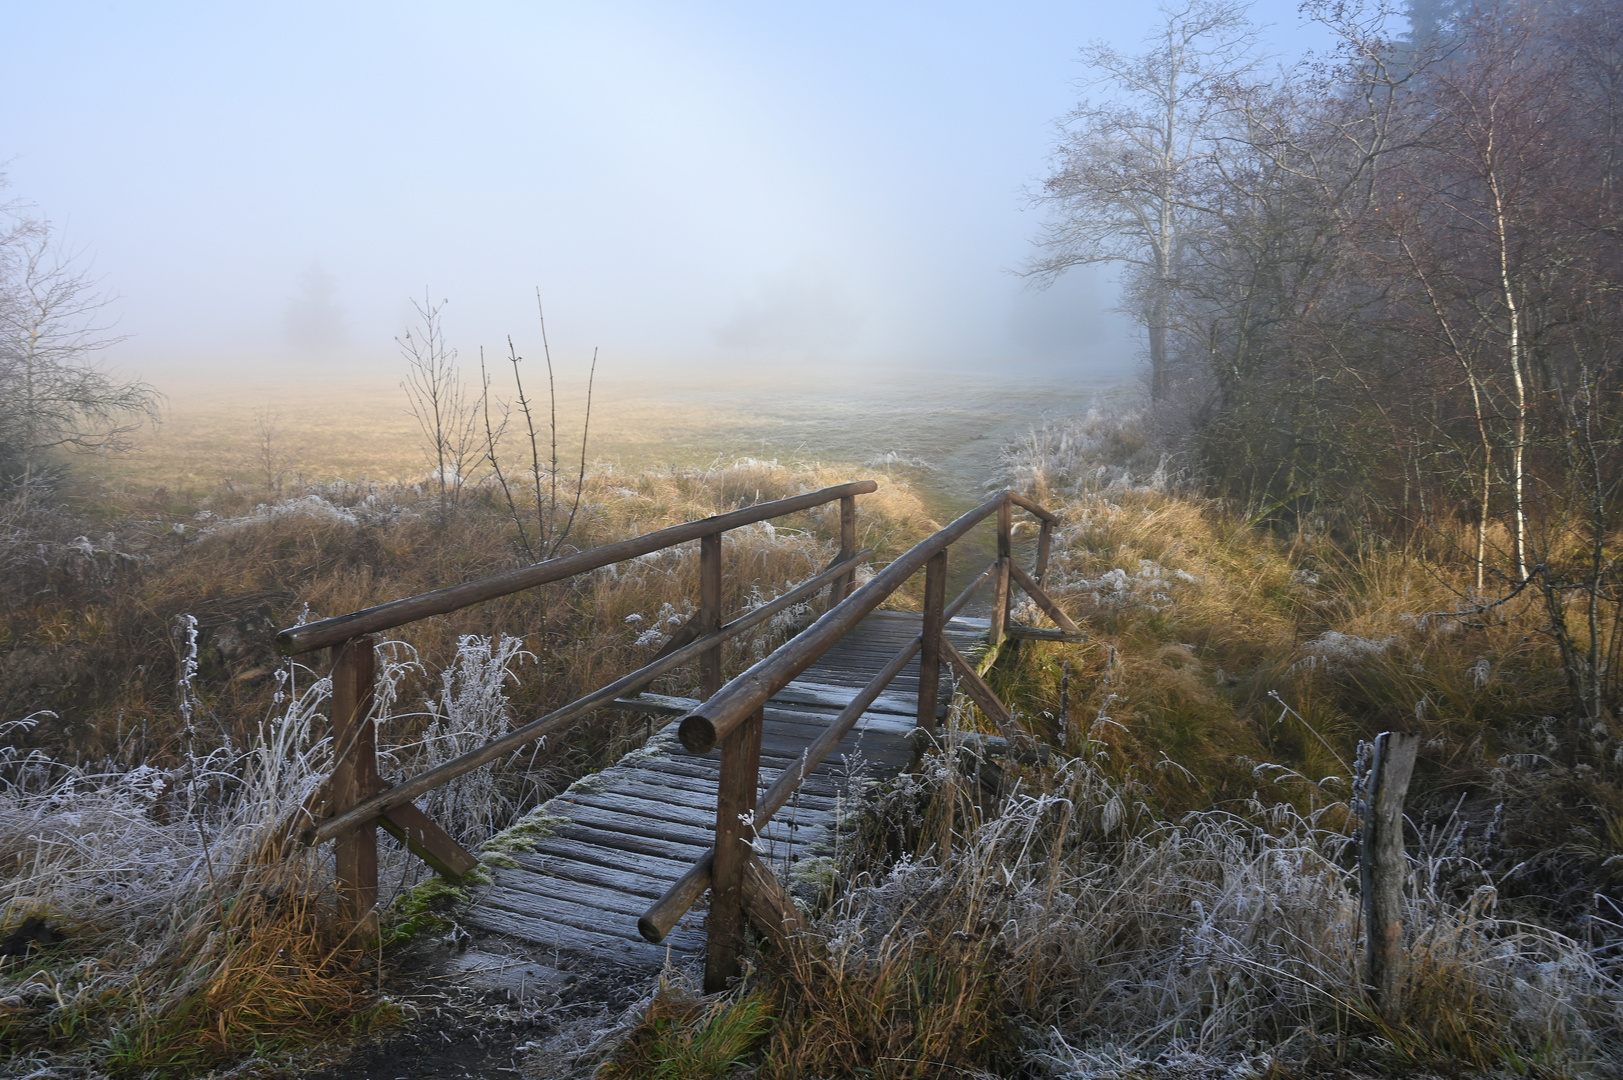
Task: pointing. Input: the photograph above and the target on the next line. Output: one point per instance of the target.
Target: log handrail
(302, 639)
(423, 782)
(731, 715)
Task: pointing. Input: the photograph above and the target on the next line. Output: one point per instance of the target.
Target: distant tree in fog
(314, 320)
(54, 395)
(1122, 188)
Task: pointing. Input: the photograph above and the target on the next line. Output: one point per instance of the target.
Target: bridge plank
(581, 914)
(559, 937)
(655, 868)
(626, 834)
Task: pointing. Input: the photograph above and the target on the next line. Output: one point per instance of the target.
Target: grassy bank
(1176, 893)
(158, 757)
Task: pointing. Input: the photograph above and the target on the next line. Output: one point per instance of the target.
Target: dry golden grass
(237, 954)
(1181, 891)
(1067, 930)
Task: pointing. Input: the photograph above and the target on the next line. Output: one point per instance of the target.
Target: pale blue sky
(681, 181)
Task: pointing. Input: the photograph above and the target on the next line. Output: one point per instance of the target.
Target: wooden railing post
(710, 611)
(935, 603)
(848, 545)
(1000, 594)
(355, 776)
(1383, 868)
(735, 805)
(1045, 544)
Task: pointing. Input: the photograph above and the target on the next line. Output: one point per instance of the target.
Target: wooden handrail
(1035, 507)
(714, 719)
(316, 635)
(408, 790)
(664, 913)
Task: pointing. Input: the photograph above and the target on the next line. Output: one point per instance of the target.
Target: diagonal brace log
(426, 840)
(768, 906)
(983, 696)
(1044, 601)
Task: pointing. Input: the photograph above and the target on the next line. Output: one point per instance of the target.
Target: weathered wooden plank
(829, 695)
(631, 881)
(581, 914)
(617, 802)
(688, 829)
(681, 851)
(638, 955)
(694, 835)
(653, 867)
(597, 897)
(696, 795)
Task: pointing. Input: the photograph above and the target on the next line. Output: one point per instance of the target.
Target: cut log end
(698, 734)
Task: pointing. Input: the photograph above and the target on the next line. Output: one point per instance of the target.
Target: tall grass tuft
(176, 923)
(1065, 930)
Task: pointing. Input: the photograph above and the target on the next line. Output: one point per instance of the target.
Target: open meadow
(350, 420)
(1173, 892)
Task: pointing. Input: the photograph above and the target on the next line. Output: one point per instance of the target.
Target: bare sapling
(272, 459)
(546, 535)
(55, 397)
(438, 401)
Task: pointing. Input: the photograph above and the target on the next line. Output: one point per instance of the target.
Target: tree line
(1383, 287)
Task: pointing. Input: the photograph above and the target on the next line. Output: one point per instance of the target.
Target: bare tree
(439, 402)
(1120, 185)
(550, 534)
(54, 395)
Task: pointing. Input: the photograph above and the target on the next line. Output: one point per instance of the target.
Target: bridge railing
(355, 801)
(741, 886)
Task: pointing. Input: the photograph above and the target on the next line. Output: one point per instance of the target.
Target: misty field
(946, 427)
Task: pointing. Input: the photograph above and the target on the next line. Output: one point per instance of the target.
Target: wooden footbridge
(724, 803)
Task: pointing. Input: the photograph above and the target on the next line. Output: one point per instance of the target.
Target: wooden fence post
(1045, 546)
(710, 613)
(1383, 868)
(735, 801)
(935, 603)
(1000, 591)
(848, 546)
(354, 777)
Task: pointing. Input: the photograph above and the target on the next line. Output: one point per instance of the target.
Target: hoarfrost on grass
(1335, 652)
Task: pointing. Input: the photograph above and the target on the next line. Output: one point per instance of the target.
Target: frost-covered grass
(1062, 928)
(1066, 927)
(165, 919)
(1177, 896)
(1232, 660)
